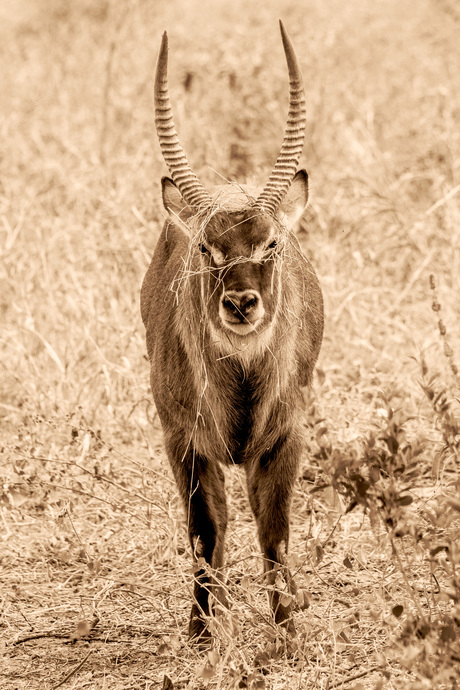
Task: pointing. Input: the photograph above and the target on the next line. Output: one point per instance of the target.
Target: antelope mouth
(241, 327)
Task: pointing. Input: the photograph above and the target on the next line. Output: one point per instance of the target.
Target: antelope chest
(243, 415)
(239, 408)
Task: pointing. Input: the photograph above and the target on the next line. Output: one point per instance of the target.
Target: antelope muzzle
(241, 310)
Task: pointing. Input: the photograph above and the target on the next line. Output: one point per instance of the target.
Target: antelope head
(240, 237)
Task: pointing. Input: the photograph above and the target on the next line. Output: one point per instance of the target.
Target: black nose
(240, 304)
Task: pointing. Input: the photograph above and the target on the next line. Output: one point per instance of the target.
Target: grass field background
(94, 554)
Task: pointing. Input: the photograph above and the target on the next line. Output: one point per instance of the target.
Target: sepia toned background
(92, 528)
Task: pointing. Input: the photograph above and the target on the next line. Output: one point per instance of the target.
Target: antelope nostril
(248, 302)
(231, 304)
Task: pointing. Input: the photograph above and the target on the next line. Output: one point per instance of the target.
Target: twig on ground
(361, 674)
(73, 671)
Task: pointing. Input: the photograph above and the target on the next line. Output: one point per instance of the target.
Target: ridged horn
(294, 135)
(182, 174)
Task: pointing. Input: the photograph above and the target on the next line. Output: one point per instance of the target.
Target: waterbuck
(234, 319)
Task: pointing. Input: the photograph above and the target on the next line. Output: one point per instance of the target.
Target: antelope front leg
(270, 482)
(201, 483)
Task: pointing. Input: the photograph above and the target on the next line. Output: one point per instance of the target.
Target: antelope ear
(296, 199)
(178, 209)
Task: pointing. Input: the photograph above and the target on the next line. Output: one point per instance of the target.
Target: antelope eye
(203, 249)
(272, 245)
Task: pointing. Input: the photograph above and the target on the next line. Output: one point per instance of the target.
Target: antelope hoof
(283, 617)
(198, 631)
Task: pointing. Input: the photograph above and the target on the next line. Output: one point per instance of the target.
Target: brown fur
(225, 397)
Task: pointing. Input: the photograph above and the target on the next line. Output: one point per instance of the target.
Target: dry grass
(94, 555)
